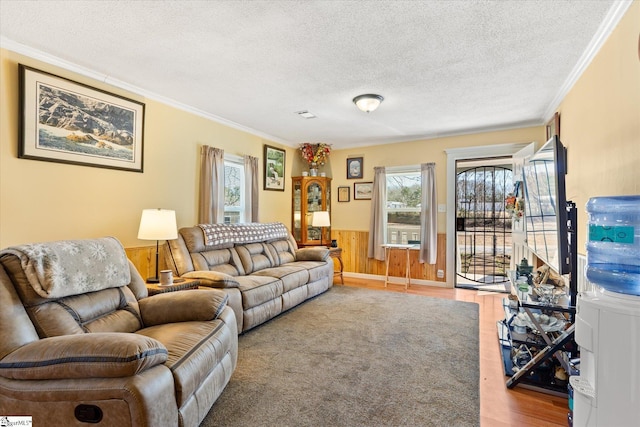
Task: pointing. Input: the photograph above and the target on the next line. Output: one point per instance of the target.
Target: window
(404, 193)
(234, 202)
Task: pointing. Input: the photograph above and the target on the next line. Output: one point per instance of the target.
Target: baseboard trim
(396, 280)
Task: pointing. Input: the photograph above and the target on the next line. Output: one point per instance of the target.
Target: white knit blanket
(72, 267)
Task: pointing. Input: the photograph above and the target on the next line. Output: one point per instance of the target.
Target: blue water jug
(613, 243)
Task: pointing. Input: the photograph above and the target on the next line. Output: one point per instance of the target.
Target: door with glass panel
(483, 224)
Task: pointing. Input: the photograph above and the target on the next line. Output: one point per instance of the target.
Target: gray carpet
(358, 357)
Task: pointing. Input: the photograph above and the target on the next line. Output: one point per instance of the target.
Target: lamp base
(153, 280)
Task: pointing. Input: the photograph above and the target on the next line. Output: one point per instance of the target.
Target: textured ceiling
(444, 67)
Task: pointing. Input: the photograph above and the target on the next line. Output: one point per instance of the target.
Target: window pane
(233, 192)
(404, 191)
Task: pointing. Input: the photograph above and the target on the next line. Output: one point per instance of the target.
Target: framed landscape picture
(274, 167)
(362, 190)
(68, 122)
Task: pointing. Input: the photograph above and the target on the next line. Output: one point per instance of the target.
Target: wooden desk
(387, 251)
(336, 253)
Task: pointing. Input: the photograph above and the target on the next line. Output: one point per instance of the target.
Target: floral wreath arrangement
(514, 206)
(315, 153)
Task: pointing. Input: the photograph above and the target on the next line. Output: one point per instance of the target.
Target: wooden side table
(336, 253)
(177, 285)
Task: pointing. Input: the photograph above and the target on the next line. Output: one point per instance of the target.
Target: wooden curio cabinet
(310, 194)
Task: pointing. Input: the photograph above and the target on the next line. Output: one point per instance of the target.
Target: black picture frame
(274, 168)
(355, 166)
(64, 121)
(344, 194)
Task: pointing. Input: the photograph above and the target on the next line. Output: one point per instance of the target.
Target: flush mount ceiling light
(368, 102)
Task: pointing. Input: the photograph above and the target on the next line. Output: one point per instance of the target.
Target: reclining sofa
(81, 343)
(258, 265)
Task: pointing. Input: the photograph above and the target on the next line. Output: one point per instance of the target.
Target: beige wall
(600, 125)
(355, 214)
(600, 122)
(42, 201)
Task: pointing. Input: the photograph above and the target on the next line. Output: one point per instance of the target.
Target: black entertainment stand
(548, 347)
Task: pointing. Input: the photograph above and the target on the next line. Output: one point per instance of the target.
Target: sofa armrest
(213, 279)
(91, 355)
(182, 306)
(312, 254)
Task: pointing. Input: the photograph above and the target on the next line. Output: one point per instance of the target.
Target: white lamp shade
(158, 224)
(368, 103)
(320, 219)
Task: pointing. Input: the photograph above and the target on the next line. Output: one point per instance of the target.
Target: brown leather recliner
(81, 342)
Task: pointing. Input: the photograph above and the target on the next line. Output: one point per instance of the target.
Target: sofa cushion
(292, 276)
(257, 289)
(109, 310)
(222, 260)
(255, 257)
(312, 254)
(194, 349)
(72, 267)
(101, 355)
(183, 306)
(213, 279)
(283, 251)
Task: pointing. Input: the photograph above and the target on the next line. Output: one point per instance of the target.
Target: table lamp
(157, 224)
(320, 219)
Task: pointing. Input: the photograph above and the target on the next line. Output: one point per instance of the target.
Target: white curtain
(378, 224)
(428, 214)
(251, 188)
(211, 209)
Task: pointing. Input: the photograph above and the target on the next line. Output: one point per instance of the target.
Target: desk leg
(408, 273)
(341, 269)
(387, 252)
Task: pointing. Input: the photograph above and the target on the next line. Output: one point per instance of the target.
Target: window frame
(403, 237)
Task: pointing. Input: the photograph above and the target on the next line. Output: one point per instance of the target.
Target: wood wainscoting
(144, 259)
(354, 246)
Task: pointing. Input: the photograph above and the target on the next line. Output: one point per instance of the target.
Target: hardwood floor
(499, 406)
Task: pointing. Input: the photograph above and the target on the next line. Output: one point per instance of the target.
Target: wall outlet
(440, 274)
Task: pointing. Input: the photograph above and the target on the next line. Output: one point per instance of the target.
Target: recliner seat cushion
(292, 276)
(257, 289)
(194, 350)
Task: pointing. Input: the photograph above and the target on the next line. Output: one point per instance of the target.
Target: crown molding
(39, 55)
(615, 14)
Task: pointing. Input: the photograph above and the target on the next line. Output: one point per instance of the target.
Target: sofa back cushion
(283, 250)
(221, 260)
(71, 267)
(255, 257)
(103, 307)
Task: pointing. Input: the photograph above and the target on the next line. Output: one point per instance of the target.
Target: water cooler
(607, 391)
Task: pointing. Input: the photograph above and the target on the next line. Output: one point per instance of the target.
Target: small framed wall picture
(274, 167)
(354, 168)
(344, 194)
(553, 127)
(362, 190)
